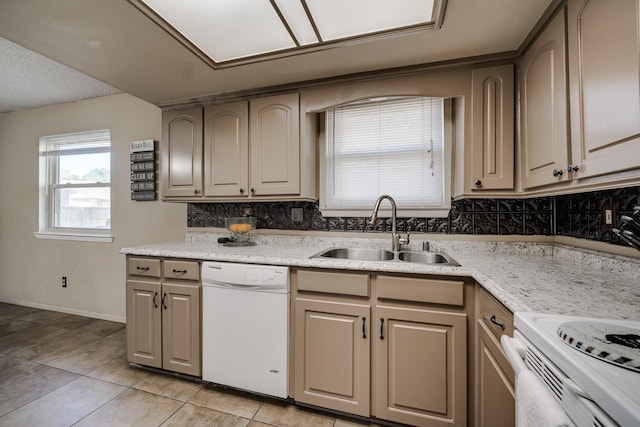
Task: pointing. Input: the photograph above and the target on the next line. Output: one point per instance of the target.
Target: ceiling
(100, 47)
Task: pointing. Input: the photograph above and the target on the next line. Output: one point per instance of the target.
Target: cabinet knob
(242, 191)
(557, 172)
(196, 191)
(572, 168)
(478, 183)
(253, 190)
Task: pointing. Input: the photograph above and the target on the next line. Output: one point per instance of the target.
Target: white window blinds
(393, 146)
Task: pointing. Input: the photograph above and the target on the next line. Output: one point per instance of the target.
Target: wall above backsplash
(575, 215)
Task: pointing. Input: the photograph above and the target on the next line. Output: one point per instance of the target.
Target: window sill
(99, 238)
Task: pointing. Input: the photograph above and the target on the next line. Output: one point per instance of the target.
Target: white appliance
(590, 366)
(245, 327)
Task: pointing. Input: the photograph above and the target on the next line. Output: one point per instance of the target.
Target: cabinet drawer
(333, 283)
(497, 318)
(186, 270)
(435, 291)
(144, 267)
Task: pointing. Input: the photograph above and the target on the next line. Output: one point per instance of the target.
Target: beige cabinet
(163, 314)
(332, 354)
(410, 358)
(543, 108)
(420, 366)
(494, 393)
(492, 147)
(275, 145)
(241, 150)
(604, 76)
(181, 153)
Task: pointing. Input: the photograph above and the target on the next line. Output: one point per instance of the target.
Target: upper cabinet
(242, 150)
(580, 99)
(492, 159)
(182, 153)
(543, 108)
(604, 71)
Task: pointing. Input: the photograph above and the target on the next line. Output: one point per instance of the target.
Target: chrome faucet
(396, 240)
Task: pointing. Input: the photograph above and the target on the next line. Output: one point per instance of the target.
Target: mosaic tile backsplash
(576, 215)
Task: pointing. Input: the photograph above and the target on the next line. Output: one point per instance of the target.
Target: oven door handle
(515, 351)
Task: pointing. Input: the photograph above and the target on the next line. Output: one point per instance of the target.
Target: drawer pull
(382, 328)
(142, 268)
(495, 322)
(364, 331)
(175, 271)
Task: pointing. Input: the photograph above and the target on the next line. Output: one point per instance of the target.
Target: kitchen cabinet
(544, 136)
(163, 314)
(332, 341)
(494, 394)
(237, 151)
(492, 147)
(411, 361)
(181, 153)
(604, 79)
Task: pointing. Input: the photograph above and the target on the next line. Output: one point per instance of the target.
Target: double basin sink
(367, 254)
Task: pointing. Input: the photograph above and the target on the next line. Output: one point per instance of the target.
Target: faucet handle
(403, 240)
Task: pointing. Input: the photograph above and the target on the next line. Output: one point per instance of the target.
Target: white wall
(30, 268)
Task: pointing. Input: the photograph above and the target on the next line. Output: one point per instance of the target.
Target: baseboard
(67, 310)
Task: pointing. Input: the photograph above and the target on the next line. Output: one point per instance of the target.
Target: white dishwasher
(245, 327)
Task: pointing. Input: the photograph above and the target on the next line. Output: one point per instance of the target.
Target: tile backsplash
(576, 215)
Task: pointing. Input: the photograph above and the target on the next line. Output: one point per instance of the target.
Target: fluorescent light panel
(228, 30)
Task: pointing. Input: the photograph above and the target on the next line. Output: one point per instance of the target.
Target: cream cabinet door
(420, 366)
(492, 148)
(275, 145)
(604, 70)
(182, 153)
(226, 150)
(181, 328)
(495, 395)
(332, 355)
(144, 326)
(543, 108)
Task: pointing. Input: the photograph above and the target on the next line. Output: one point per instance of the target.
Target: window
(393, 146)
(75, 186)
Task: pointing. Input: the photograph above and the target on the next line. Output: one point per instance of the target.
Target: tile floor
(59, 369)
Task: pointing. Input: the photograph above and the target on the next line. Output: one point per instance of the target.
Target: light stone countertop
(524, 276)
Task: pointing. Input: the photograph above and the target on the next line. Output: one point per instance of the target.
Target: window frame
(385, 209)
(50, 185)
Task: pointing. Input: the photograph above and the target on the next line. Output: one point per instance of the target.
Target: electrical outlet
(247, 211)
(64, 281)
(297, 214)
(608, 217)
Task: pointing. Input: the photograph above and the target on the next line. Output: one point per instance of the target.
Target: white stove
(591, 366)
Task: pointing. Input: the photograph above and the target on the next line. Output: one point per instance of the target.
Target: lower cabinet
(163, 318)
(420, 368)
(495, 395)
(406, 363)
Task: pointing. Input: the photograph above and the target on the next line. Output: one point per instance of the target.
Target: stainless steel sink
(427, 257)
(356, 254)
(365, 254)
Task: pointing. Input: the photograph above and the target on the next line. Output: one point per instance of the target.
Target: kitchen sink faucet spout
(396, 240)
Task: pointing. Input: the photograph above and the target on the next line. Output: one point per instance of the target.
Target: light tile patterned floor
(59, 369)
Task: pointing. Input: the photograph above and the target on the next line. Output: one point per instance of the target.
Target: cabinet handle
(242, 191)
(572, 168)
(253, 190)
(478, 183)
(195, 191)
(382, 328)
(142, 268)
(364, 331)
(557, 172)
(495, 322)
(179, 271)
(164, 305)
(155, 299)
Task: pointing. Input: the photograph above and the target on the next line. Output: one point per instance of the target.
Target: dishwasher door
(245, 327)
